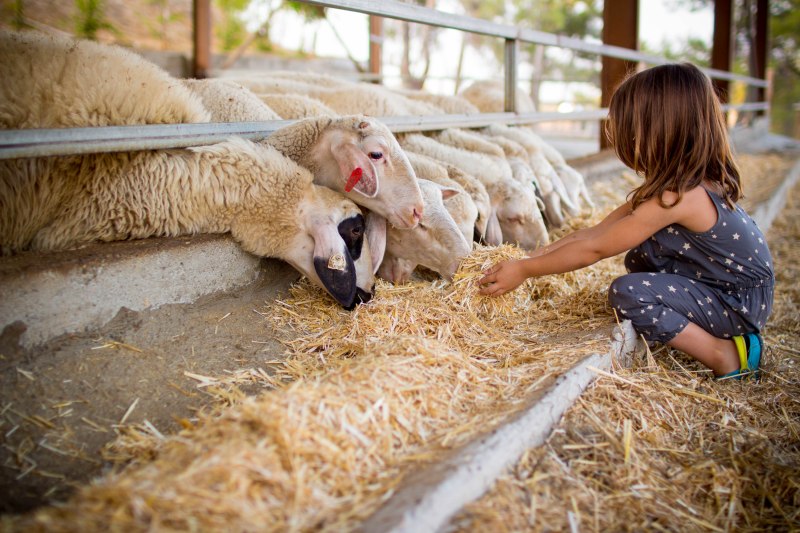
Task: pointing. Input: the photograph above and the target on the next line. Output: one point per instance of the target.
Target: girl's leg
(720, 355)
(682, 313)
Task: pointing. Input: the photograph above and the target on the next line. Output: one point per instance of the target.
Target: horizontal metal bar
(72, 141)
(69, 141)
(747, 106)
(432, 17)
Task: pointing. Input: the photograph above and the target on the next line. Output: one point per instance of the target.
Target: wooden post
(620, 28)
(201, 36)
(762, 18)
(376, 48)
(721, 47)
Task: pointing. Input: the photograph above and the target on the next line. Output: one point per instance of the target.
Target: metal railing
(68, 141)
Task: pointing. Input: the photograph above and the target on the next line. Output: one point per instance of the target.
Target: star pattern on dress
(645, 283)
(671, 288)
(736, 236)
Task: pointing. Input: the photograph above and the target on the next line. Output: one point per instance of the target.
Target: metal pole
(510, 105)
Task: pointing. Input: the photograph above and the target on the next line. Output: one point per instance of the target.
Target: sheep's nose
(416, 214)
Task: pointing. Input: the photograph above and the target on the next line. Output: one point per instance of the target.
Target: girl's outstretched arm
(585, 233)
(618, 232)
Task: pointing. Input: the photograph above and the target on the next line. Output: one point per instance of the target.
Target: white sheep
(228, 101)
(489, 96)
(338, 150)
(552, 189)
(514, 201)
(461, 206)
(354, 155)
(89, 79)
(437, 243)
(268, 203)
(454, 105)
(296, 106)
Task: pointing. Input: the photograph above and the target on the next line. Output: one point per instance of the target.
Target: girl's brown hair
(667, 125)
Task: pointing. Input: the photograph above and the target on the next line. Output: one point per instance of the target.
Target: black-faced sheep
(268, 203)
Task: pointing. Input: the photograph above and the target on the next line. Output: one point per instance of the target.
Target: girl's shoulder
(697, 211)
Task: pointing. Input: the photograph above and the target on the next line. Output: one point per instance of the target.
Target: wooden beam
(201, 37)
(620, 28)
(762, 18)
(376, 47)
(721, 47)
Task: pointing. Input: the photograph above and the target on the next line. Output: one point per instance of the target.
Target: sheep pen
(363, 398)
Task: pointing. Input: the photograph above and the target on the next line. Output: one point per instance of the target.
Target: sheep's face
(361, 158)
(334, 248)
(436, 243)
(520, 220)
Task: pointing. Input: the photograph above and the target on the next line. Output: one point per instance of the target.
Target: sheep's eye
(375, 155)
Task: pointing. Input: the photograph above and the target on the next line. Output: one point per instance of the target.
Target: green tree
(91, 18)
(571, 18)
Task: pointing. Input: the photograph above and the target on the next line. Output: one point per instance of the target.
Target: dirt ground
(62, 402)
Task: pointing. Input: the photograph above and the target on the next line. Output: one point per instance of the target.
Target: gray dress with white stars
(721, 279)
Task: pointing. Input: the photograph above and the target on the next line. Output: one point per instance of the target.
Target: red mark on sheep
(355, 177)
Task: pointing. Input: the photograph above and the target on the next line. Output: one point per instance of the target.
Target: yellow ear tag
(337, 262)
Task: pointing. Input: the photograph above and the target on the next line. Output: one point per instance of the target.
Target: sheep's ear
(494, 235)
(352, 161)
(449, 192)
(376, 237)
(333, 264)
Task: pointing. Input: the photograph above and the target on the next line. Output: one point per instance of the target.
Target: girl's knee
(620, 292)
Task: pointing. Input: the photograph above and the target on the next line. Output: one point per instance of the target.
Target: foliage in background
(160, 26)
(785, 62)
(784, 56)
(91, 18)
(229, 28)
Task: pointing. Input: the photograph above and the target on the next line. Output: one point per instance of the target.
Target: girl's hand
(502, 277)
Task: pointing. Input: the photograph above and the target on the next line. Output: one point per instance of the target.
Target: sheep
(33, 62)
(489, 97)
(552, 189)
(473, 164)
(268, 203)
(462, 207)
(296, 106)
(574, 182)
(515, 203)
(228, 101)
(448, 104)
(336, 150)
(437, 243)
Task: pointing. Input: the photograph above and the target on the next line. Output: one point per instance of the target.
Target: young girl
(701, 276)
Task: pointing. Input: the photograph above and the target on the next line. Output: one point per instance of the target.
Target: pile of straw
(662, 447)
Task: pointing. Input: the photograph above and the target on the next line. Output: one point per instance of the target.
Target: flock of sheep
(317, 194)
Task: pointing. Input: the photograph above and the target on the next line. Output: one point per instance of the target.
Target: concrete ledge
(428, 499)
(46, 295)
(765, 213)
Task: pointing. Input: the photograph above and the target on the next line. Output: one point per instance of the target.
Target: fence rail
(70, 141)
